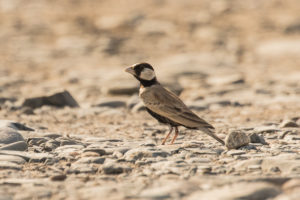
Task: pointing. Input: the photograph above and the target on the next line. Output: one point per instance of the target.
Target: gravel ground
(72, 126)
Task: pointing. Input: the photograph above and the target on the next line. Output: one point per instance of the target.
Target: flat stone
(235, 152)
(28, 156)
(16, 146)
(13, 159)
(139, 153)
(99, 151)
(255, 138)
(88, 160)
(9, 165)
(236, 139)
(288, 124)
(60, 177)
(14, 125)
(59, 99)
(114, 168)
(77, 168)
(8, 136)
(243, 190)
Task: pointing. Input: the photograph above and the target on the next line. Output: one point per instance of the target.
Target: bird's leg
(175, 136)
(164, 141)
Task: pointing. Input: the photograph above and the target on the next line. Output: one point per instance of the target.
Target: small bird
(164, 105)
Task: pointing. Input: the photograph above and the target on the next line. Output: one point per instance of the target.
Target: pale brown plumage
(167, 104)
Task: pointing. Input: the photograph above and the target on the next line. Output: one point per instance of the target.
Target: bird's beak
(130, 70)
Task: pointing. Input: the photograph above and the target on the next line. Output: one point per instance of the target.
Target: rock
(243, 190)
(60, 177)
(60, 99)
(235, 152)
(9, 165)
(88, 160)
(99, 151)
(16, 146)
(111, 104)
(14, 125)
(77, 168)
(114, 168)
(28, 156)
(236, 139)
(8, 136)
(255, 138)
(13, 159)
(288, 124)
(139, 153)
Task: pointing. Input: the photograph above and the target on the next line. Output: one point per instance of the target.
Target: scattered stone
(77, 168)
(9, 165)
(236, 139)
(13, 159)
(60, 99)
(289, 124)
(114, 168)
(99, 151)
(255, 138)
(139, 153)
(235, 152)
(60, 177)
(88, 160)
(14, 125)
(8, 136)
(16, 146)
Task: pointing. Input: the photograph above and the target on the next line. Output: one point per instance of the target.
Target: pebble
(14, 125)
(114, 168)
(9, 165)
(8, 136)
(235, 152)
(255, 138)
(13, 159)
(236, 139)
(59, 99)
(16, 146)
(288, 124)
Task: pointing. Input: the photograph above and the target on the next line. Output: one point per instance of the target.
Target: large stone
(14, 125)
(13, 159)
(236, 139)
(16, 146)
(288, 124)
(59, 99)
(8, 136)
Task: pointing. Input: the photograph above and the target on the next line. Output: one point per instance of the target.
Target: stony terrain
(71, 123)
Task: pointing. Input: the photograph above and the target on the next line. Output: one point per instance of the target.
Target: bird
(165, 106)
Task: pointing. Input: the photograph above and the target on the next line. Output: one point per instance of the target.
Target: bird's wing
(167, 104)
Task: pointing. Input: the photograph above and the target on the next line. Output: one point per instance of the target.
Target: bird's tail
(212, 134)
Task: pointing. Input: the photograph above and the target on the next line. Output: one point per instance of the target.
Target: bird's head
(144, 72)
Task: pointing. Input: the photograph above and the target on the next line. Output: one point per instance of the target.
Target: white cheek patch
(147, 74)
